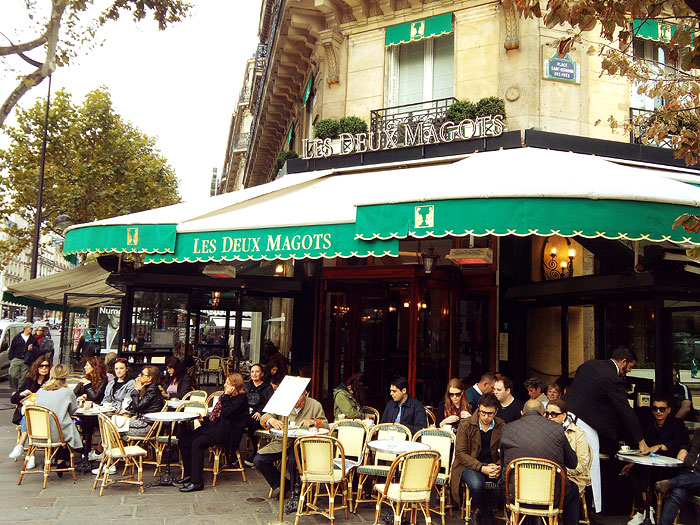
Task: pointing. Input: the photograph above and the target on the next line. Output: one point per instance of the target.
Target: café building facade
(524, 242)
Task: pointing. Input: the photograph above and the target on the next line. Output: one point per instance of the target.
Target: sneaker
(112, 470)
(31, 463)
(637, 519)
(249, 463)
(17, 452)
(94, 456)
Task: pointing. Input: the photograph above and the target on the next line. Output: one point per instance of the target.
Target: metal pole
(564, 342)
(39, 197)
(283, 474)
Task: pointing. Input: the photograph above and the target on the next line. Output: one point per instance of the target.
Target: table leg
(650, 491)
(165, 479)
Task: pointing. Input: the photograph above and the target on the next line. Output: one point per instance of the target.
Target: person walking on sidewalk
(20, 355)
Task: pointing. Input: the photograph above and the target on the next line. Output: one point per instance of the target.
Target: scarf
(216, 412)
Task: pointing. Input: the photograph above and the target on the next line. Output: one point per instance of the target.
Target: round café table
(390, 446)
(649, 461)
(166, 478)
(90, 415)
(692, 425)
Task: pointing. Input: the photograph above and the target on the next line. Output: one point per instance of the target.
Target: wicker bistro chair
(194, 407)
(196, 395)
(114, 452)
(221, 463)
(444, 442)
(44, 433)
(535, 482)
(466, 508)
(318, 469)
(149, 443)
(212, 365)
(213, 398)
(378, 464)
(430, 416)
(371, 413)
(417, 472)
(353, 436)
(193, 372)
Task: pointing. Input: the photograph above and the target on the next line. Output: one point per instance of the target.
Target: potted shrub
(328, 128)
(461, 110)
(491, 106)
(352, 125)
(282, 158)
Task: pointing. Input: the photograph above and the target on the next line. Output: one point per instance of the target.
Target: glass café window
(421, 71)
(158, 320)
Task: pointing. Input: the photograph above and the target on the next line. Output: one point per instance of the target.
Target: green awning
(7, 297)
(293, 242)
(653, 30)
(567, 217)
(307, 91)
(135, 238)
(419, 29)
(289, 136)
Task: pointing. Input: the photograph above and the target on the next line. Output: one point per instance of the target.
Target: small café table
(692, 425)
(166, 478)
(648, 461)
(90, 414)
(390, 446)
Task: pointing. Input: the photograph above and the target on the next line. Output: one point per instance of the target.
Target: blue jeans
(483, 499)
(680, 488)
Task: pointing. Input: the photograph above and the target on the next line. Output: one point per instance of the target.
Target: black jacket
(535, 436)
(228, 428)
(184, 385)
(151, 400)
(673, 434)
(93, 394)
(258, 396)
(692, 460)
(15, 398)
(598, 396)
(20, 350)
(412, 414)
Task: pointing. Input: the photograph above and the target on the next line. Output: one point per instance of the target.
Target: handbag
(121, 422)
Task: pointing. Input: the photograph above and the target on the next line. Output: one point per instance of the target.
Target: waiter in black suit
(598, 400)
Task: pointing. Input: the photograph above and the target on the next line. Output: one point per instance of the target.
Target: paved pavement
(65, 502)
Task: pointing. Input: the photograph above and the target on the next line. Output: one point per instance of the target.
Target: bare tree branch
(15, 49)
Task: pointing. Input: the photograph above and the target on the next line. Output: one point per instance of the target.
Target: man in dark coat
(534, 436)
(598, 400)
(404, 409)
(24, 350)
(474, 463)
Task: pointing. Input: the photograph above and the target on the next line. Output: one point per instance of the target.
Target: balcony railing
(245, 95)
(241, 140)
(397, 117)
(639, 127)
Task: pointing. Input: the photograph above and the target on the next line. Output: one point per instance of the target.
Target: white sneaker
(112, 470)
(637, 519)
(94, 456)
(17, 452)
(31, 463)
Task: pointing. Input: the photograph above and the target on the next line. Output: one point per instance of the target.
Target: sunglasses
(552, 415)
(659, 409)
(44, 366)
(455, 394)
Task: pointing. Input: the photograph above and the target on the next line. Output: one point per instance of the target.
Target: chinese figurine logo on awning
(425, 216)
(418, 30)
(132, 236)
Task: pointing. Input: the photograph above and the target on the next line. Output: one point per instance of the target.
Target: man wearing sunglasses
(477, 459)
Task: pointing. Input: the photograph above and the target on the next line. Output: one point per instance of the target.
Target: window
(421, 71)
(654, 53)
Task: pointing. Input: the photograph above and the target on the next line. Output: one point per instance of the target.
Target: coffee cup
(625, 448)
(88, 404)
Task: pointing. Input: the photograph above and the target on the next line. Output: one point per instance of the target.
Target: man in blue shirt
(484, 386)
(404, 409)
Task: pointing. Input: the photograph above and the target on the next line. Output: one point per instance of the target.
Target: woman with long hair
(56, 396)
(177, 381)
(121, 387)
(146, 397)
(454, 407)
(349, 398)
(92, 388)
(223, 427)
(38, 374)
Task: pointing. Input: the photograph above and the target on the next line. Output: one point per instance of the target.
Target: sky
(180, 85)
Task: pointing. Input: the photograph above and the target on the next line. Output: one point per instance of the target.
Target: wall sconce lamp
(555, 267)
(215, 298)
(279, 270)
(429, 259)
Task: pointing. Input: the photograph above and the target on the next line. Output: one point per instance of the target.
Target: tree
(72, 25)
(676, 82)
(97, 166)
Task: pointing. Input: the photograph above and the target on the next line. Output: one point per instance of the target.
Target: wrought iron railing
(260, 56)
(639, 118)
(396, 117)
(245, 95)
(241, 140)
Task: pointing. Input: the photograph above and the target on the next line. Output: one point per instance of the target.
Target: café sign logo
(404, 136)
(267, 244)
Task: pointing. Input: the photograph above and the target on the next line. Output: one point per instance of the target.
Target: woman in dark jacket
(454, 407)
(91, 388)
(224, 427)
(37, 375)
(146, 397)
(177, 381)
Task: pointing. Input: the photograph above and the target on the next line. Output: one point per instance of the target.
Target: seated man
(510, 408)
(404, 409)
(484, 386)
(307, 413)
(683, 485)
(533, 436)
(477, 458)
(665, 435)
(534, 390)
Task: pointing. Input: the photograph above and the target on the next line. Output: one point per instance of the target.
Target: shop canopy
(85, 285)
(364, 211)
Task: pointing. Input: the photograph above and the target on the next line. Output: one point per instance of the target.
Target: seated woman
(665, 435)
(56, 396)
(120, 389)
(145, 398)
(553, 392)
(349, 398)
(177, 381)
(223, 427)
(558, 411)
(454, 407)
(92, 388)
(37, 376)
